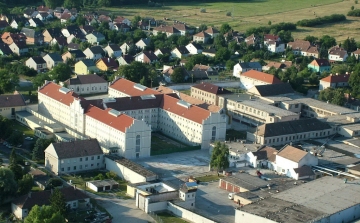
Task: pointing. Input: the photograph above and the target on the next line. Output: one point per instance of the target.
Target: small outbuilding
(102, 185)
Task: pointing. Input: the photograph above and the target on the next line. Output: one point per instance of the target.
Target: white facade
(276, 47)
(110, 52)
(335, 57)
(93, 88)
(192, 49)
(248, 82)
(90, 55)
(237, 70)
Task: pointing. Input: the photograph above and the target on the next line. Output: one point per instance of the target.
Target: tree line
(321, 20)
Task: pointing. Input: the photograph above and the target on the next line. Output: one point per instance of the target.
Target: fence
(174, 150)
(156, 217)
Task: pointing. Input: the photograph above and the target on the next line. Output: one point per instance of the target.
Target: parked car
(231, 196)
(28, 138)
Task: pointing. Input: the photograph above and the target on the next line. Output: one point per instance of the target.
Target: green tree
(354, 81)
(327, 41)
(54, 182)
(57, 201)
(80, 20)
(1, 162)
(61, 72)
(40, 79)
(349, 45)
(7, 81)
(311, 39)
(223, 54)
(139, 34)
(8, 185)
(219, 156)
(339, 98)
(230, 64)
(135, 72)
(136, 21)
(45, 214)
(219, 42)
(25, 184)
(16, 138)
(234, 46)
(111, 174)
(39, 148)
(178, 75)
(225, 28)
(202, 27)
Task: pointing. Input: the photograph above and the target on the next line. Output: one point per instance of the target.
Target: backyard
(161, 144)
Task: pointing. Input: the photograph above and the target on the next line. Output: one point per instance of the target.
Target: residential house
(264, 157)
(94, 52)
(19, 20)
(106, 64)
(123, 20)
(86, 29)
(179, 52)
(32, 36)
(168, 30)
(150, 20)
(142, 43)
(113, 50)
(5, 49)
(87, 84)
(194, 48)
(8, 17)
(73, 12)
(294, 163)
(319, 66)
(251, 40)
(208, 92)
(44, 16)
(267, 90)
(74, 199)
(169, 71)
(201, 37)
(9, 38)
(281, 133)
(242, 67)
(209, 52)
(125, 47)
(212, 32)
(36, 63)
(162, 51)
(121, 27)
(10, 104)
(95, 37)
(104, 18)
(144, 25)
(58, 11)
(200, 72)
(3, 24)
(41, 179)
(146, 57)
(61, 41)
(356, 53)
(73, 29)
(19, 48)
(337, 53)
(90, 20)
(183, 28)
(73, 46)
(252, 78)
(304, 48)
(35, 22)
(43, 9)
(77, 55)
(30, 12)
(275, 46)
(52, 60)
(86, 66)
(125, 60)
(80, 36)
(50, 34)
(278, 65)
(66, 17)
(334, 81)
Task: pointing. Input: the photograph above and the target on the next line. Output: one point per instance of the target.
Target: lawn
(35, 189)
(168, 218)
(208, 178)
(234, 134)
(186, 91)
(162, 146)
(27, 131)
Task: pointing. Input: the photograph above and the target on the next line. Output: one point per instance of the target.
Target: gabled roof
(40, 198)
(356, 51)
(150, 55)
(300, 45)
(274, 89)
(304, 171)
(212, 30)
(122, 26)
(30, 33)
(292, 153)
(271, 37)
(339, 51)
(87, 62)
(73, 46)
(182, 49)
(37, 21)
(211, 88)
(55, 57)
(72, 29)
(196, 45)
(52, 90)
(212, 51)
(121, 122)
(250, 65)
(38, 60)
(43, 8)
(20, 44)
(21, 19)
(320, 63)
(29, 11)
(164, 50)
(11, 100)
(268, 78)
(87, 28)
(61, 41)
(85, 79)
(127, 58)
(167, 29)
(279, 65)
(292, 127)
(202, 34)
(98, 35)
(119, 19)
(270, 153)
(5, 49)
(96, 50)
(128, 87)
(78, 148)
(114, 47)
(336, 78)
(109, 62)
(181, 26)
(145, 40)
(54, 32)
(65, 16)
(77, 53)
(4, 24)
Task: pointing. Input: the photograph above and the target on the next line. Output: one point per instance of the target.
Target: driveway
(177, 165)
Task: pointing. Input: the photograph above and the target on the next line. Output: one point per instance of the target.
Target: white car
(29, 138)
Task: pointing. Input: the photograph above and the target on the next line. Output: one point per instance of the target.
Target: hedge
(321, 20)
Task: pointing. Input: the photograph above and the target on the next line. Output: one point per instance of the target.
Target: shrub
(355, 12)
(356, 1)
(228, 14)
(203, 10)
(321, 20)
(352, 7)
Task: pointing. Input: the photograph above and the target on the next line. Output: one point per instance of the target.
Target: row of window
(74, 168)
(297, 137)
(80, 159)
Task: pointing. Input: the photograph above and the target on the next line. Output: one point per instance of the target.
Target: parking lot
(177, 165)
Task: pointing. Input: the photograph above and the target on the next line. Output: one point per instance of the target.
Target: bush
(321, 20)
(355, 12)
(266, 29)
(228, 14)
(203, 10)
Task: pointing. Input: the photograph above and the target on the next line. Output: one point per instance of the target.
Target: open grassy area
(186, 91)
(234, 134)
(168, 218)
(27, 131)
(162, 146)
(208, 178)
(35, 189)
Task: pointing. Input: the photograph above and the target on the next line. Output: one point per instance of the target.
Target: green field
(254, 13)
(168, 218)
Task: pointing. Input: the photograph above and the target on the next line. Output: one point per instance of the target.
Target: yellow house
(106, 64)
(85, 67)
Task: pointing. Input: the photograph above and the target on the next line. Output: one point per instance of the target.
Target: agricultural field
(255, 13)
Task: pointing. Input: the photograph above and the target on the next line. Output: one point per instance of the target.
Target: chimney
(30, 194)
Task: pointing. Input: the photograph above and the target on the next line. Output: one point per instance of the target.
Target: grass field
(21, 128)
(254, 13)
(168, 218)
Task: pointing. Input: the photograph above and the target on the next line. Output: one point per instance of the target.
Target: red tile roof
(127, 87)
(120, 122)
(202, 34)
(211, 30)
(268, 78)
(52, 90)
(336, 78)
(194, 113)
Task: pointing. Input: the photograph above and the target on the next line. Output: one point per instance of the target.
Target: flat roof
(44, 131)
(246, 181)
(131, 165)
(265, 106)
(283, 99)
(352, 127)
(238, 97)
(65, 136)
(240, 148)
(103, 183)
(327, 195)
(336, 120)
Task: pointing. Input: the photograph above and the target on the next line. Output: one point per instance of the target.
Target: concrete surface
(177, 165)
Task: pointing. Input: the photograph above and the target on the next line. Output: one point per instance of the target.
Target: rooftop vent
(140, 87)
(148, 96)
(184, 104)
(114, 112)
(64, 90)
(109, 100)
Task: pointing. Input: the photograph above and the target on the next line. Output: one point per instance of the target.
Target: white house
(334, 81)
(94, 52)
(275, 46)
(87, 84)
(337, 53)
(194, 48)
(35, 22)
(9, 104)
(141, 44)
(180, 51)
(240, 68)
(113, 50)
(252, 78)
(102, 185)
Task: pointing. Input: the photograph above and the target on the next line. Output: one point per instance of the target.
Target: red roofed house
(334, 81)
(201, 37)
(253, 78)
(337, 53)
